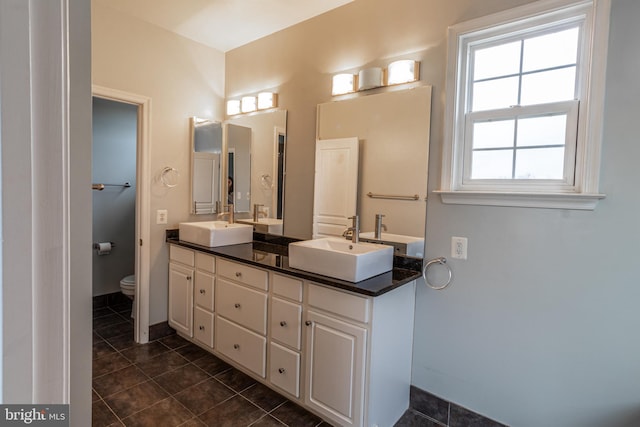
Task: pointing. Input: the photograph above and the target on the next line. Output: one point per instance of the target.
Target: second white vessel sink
(340, 258)
(405, 245)
(215, 233)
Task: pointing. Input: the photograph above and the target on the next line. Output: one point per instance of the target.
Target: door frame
(143, 223)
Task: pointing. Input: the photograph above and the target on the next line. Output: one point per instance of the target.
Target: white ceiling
(223, 24)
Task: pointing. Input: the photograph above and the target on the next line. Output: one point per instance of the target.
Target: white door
(336, 186)
(335, 368)
(206, 169)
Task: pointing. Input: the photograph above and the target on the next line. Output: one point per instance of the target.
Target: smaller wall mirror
(206, 156)
(255, 165)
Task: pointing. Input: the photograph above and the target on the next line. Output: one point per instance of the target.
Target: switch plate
(459, 247)
(161, 216)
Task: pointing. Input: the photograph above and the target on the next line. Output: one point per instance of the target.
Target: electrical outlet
(459, 247)
(161, 216)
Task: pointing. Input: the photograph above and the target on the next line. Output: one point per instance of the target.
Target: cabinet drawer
(205, 262)
(250, 276)
(203, 326)
(241, 345)
(284, 369)
(341, 303)
(181, 255)
(203, 290)
(285, 322)
(242, 305)
(287, 287)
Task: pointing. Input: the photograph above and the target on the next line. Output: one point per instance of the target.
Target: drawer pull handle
(281, 370)
(236, 346)
(283, 323)
(238, 274)
(202, 291)
(308, 322)
(201, 328)
(236, 305)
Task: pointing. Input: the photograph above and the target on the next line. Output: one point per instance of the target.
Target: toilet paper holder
(97, 245)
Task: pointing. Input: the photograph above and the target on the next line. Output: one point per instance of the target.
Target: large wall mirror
(240, 162)
(393, 131)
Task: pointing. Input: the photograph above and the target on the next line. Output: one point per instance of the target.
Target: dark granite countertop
(271, 252)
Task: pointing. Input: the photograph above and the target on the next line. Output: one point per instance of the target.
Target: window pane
(549, 86)
(547, 130)
(499, 93)
(540, 163)
(493, 134)
(495, 164)
(497, 61)
(550, 50)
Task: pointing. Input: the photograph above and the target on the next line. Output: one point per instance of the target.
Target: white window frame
(579, 188)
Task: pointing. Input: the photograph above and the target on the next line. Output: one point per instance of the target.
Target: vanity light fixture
(233, 107)
(248, 104)
(370, 78)
(403, 71)
(267, 100)
(343, 83)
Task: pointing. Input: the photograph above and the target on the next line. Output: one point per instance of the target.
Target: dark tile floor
(171, 382)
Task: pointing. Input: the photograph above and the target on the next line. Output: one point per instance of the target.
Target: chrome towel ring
(441, 261)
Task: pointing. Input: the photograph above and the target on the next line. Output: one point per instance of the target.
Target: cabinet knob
(236, 305)
(238, 274)
(202, 291)
(283, 323)
(281, 370)
(236, 346)
(308, 322)
(201, 328)
(188, 277)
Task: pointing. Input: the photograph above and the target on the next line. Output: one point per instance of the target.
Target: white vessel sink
(340, 258)
(264, 225)
(406, 245)
(215, 233)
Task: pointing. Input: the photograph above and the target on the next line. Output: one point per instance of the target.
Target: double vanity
(325, 334)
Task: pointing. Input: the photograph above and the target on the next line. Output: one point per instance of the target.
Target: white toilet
(128, 286)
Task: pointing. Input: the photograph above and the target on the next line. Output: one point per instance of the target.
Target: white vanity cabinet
(343, 355)
(181, 274)
(241, 312)
(358, 355)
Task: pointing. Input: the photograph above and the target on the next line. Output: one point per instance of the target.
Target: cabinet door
(335, 361)
(204, 295)
(181, 299)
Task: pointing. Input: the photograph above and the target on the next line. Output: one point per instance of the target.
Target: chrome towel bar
(391, 196)
(100, 187)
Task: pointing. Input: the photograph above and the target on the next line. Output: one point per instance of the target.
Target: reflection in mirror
(393, 129)
(255, 162)
(238, 163)
(206, 151)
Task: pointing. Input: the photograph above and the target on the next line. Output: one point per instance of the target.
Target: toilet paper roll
(104, 248)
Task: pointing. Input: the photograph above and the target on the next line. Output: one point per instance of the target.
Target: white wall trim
(143, 184)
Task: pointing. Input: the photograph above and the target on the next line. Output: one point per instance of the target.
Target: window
(524, 106)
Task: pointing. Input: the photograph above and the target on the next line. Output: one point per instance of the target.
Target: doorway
(141, 105)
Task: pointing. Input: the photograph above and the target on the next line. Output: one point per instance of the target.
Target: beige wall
(183, 79)
(299, 62)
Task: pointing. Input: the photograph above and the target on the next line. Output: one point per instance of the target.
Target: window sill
(522, 200)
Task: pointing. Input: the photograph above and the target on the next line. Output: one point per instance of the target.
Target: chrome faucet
(257, 212)
(354, 230)
(379, 227)
(230, 212)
